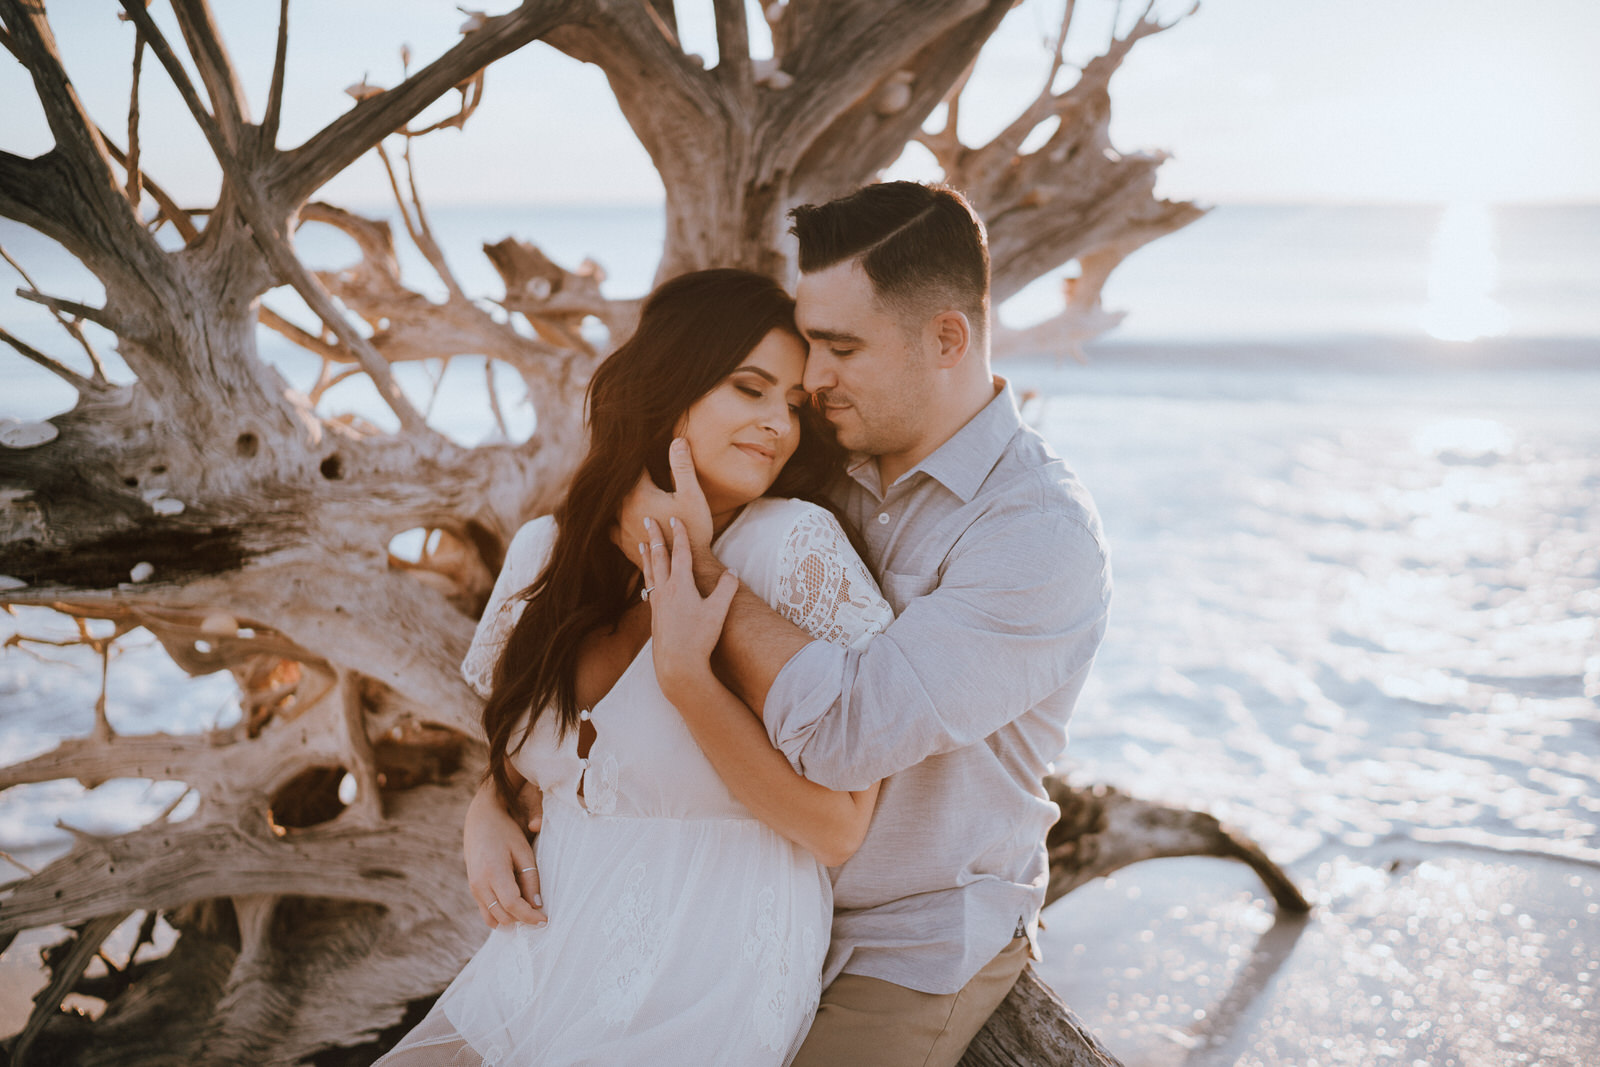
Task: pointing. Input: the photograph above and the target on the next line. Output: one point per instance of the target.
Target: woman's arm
(501, 868)
(685, 628)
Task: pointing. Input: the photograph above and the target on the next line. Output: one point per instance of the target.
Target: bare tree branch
(65, 373)
(269, 121)
(70, 325)
(131, 162)
(69, 307)
(733, 44)
(97, 224)
(228, 104)
(298, 173)
(168, 207)
(273, 244)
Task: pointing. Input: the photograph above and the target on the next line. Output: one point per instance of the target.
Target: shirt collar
(965, 459)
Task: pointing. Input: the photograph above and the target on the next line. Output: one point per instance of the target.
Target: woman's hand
(684, 625)
(686, 502)
(501, 867)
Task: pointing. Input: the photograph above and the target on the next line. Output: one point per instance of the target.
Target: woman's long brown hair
(694, 331)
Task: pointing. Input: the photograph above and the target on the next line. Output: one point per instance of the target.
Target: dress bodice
(643, 760)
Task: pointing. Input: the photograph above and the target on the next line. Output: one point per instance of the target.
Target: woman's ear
(953, 334)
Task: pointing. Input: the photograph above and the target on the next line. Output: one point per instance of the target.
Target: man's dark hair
(923, 247)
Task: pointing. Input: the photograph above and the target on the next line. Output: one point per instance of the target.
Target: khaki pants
(873, 1023)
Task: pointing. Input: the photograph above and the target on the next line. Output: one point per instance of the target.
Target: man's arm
(756, 641)
(1016, 616)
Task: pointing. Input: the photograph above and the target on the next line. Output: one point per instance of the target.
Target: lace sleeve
(525, 558)
(824, 588)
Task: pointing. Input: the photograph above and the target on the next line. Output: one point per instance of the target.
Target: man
(990, 553)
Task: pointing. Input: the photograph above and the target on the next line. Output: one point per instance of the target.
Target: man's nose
(819, 374)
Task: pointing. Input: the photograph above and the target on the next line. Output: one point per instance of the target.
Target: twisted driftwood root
(1102, 830)
(1033, 1028)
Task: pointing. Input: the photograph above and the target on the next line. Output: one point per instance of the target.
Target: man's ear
(952, 332)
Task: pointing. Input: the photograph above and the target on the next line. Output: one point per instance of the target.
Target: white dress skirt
(682, 930)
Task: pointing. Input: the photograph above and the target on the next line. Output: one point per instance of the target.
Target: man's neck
(947, 422)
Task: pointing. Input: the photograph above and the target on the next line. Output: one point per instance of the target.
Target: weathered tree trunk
(247, 528)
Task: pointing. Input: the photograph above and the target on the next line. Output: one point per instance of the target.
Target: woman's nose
(778, 418)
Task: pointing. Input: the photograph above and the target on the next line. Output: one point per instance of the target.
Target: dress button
(883, 518)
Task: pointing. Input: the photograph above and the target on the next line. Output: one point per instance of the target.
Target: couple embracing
(783, 726)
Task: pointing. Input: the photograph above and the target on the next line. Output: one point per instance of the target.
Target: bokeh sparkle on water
(1355, 616)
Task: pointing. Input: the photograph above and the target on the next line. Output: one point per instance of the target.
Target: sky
(1483, 101)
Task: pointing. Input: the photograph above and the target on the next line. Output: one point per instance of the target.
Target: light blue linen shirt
(991, 553)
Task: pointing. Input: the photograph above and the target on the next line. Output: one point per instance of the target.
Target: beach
(1357, 581)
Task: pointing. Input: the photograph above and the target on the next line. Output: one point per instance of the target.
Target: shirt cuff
(805, 689)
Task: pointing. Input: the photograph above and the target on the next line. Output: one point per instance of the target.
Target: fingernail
(538, 900)
(674, 521)
(733, 574)
(641, 548)
(539, 925)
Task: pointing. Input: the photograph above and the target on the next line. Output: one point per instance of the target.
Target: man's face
(872, 378)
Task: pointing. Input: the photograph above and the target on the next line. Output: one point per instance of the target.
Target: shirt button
(583, 716)
(883, 518)
(584, 762)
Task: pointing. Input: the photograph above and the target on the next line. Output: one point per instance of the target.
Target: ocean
(1348, 462)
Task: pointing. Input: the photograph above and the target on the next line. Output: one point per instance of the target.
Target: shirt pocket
(902, 589)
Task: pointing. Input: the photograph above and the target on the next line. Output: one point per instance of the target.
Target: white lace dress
(681, 929)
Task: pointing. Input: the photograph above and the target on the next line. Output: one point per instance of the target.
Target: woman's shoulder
(527, 553)
(531, 535)
(772, 514)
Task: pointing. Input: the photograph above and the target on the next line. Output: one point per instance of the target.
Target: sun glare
(1462, 276)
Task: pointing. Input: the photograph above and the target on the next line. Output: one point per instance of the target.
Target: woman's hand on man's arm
(501, 867)
(685, 627)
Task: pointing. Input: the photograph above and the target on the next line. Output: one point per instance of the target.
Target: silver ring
(525, 870)
(658, 544)
(644, 594)
(494, 904)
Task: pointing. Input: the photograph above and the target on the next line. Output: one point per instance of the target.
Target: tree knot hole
(332, 468)
(315, 796)
(247, 445)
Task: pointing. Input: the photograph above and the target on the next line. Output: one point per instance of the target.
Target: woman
(680, 928)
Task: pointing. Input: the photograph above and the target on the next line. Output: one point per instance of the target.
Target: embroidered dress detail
(823, 587)
(776, 960)
(683, 931)
(601, 795)
(633, 935)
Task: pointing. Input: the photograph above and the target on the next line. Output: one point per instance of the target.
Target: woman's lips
(758, 451)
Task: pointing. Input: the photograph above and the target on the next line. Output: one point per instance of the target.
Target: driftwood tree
(248, 529)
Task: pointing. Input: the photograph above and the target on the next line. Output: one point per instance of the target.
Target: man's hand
(686, 503)
(501, 867)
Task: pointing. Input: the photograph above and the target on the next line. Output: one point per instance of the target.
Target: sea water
(1357, 582)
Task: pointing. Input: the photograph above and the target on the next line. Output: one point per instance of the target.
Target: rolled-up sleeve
(1017, 614)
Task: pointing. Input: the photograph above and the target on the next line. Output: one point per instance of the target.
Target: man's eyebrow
(831, 335)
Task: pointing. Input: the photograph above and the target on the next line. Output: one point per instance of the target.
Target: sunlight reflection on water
(1462, 275)
(1355, 616)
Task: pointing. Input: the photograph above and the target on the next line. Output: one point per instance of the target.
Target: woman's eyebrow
(757, 371)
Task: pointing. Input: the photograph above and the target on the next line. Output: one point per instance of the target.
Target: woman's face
(745, 429)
